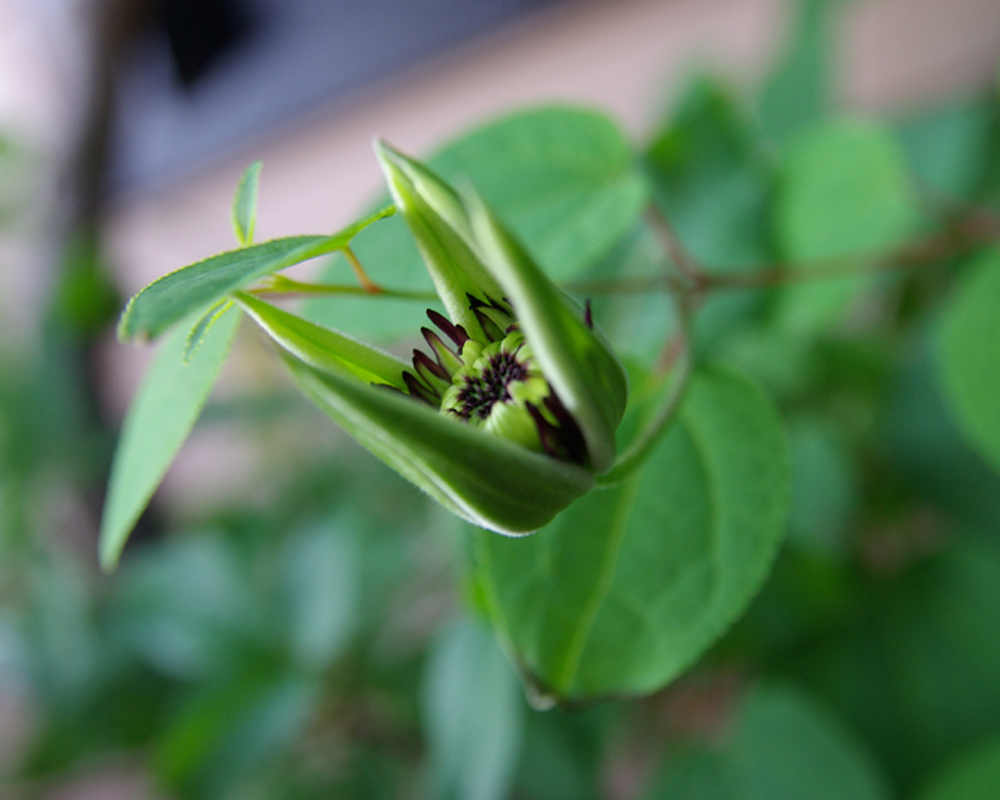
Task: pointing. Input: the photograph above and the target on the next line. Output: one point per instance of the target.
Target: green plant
(797, 535)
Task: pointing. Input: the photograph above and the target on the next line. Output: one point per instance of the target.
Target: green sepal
(577, 361)
(441, 228)
(487, 481)
(324, 348)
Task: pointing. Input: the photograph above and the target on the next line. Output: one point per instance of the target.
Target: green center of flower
(477, 393)
(495, 385)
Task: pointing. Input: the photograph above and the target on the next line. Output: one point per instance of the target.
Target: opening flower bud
(511, 409)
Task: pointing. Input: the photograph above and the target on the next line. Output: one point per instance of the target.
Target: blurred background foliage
(318, 638)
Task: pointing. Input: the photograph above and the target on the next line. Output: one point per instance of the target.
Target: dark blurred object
(199, 31)
(248, 66)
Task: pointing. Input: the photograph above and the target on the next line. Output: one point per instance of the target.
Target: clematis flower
(511, 410)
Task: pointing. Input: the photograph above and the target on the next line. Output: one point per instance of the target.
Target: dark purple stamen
(563, 440)
(588, 316)
(490, 328)
(454, 332)
(435, 343)
(422, 362)
(570, 433)
(420, 391)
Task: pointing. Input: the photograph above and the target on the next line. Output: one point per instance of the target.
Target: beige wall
(627, 56)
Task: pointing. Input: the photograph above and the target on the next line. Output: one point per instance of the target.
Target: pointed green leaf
(969, 359)
(630, 585)
(174, 296)
(245, 204)
(486, 480)
(324, 348)
(160, 418)
(577, 361)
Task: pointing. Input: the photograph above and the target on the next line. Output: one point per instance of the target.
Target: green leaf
(245, 204)
(320, 567)
(781, 747)
(969, 355)
(845, 193)
(919, 677)
(473, 716)
(975, 777)
(797, 94)
(174, 296)
(630, 585)
(713, 180)
(563, 179)
(949, 148)
(196, 634)
(927, 448)
(824, 488)
(160, 418)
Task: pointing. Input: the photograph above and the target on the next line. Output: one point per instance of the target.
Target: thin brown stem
(979, 227)
(366, 283)
(682, 258)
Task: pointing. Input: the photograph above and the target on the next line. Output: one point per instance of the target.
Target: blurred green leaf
(825, 494)
(187, 606)
(86, 298)
(918, 677)
(194, 287)
(563, 179)
(160, 418)
(473, 716)
(976, 776)
(630, 585)
(712, 180)
(797, 94)
(561, 758)
(845, 190)
(320, 569)
(969, 355)
(230, 730)
(783, 747)
(948, 148)
(245, 204)
(927, 449)
(845, 193)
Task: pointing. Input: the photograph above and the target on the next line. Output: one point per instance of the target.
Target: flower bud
(512, 409)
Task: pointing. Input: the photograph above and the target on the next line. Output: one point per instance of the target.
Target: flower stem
(366, 283)
(280, 285)
(957, 238)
